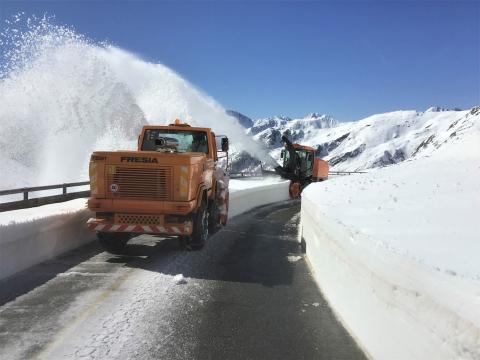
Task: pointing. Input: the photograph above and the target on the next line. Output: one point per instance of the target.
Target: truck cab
(299, 160)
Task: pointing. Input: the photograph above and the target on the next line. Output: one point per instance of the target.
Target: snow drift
(396, 250)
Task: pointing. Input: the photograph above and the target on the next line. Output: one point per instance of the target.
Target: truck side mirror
(225, 144)
(282, 154)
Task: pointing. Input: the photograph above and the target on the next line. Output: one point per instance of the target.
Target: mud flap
(223, 198)
(294, 189)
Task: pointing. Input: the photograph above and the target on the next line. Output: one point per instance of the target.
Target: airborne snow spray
(64, 96)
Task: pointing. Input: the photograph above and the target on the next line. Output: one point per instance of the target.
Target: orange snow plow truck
(301, 167)
(170, 186)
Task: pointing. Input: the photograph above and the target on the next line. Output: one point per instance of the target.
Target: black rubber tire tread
(200, 227)
(227, 201)
(214, 218)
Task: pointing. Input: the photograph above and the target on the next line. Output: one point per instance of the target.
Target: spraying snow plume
(63, 96)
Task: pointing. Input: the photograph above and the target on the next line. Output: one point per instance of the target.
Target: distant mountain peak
(315, 115)
(269, 131)
(242, 119)
(440, 109)
(280, 117)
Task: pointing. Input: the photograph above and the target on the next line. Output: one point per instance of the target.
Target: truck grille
(138, 219)
(140, 183)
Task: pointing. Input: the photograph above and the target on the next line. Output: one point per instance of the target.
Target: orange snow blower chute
(301, 167)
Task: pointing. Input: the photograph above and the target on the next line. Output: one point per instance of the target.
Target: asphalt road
(248, 294)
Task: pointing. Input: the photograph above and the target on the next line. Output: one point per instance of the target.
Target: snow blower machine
(301, 167)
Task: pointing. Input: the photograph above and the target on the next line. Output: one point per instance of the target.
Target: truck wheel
(227, 201)
(214, 218)
(113, 242)
(200, 228)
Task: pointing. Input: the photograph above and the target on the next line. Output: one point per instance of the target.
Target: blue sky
(346, 58)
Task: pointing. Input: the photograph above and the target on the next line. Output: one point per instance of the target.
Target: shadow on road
(35, 276)
(254, 248)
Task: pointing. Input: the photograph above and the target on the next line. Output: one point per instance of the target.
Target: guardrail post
(64, 190)
(25, 195)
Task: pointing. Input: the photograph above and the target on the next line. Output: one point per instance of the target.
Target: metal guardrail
(346, 172)
(28, 202)
(240, 175)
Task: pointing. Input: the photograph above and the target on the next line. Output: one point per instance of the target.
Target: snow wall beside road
(257, 193)
(395, 307)
(31, 236)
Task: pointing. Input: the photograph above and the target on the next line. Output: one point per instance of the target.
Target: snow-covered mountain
(269, 131)
(375, 141)
(244, 120)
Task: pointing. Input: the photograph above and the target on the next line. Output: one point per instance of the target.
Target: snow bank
(395, 252)
(248, 194)
(30, 236)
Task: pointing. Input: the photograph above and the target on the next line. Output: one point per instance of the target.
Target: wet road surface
(248, 294)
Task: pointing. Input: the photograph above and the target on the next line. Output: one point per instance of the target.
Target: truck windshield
(165, 140)
(303, 160)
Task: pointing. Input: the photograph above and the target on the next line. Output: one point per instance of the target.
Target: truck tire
(113, 242)
(200, 228)
(214, 223)
(227, 201)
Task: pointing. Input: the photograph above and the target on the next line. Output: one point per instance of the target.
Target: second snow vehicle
(170, 186)
(300, 166)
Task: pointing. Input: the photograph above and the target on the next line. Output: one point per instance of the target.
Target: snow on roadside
(38, 234)
(425, 209)
(35, 213)
(179, 279)
(48, 231)
(69, 207)
(396, 252)
(248, 183)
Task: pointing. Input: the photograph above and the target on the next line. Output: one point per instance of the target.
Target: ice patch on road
(293, 258)
(78, 273)
(179, 279)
